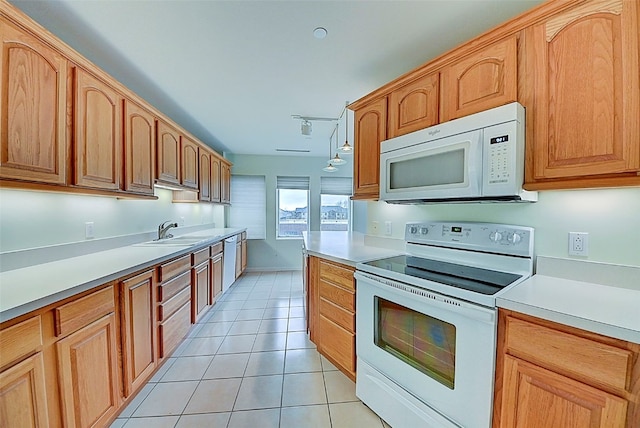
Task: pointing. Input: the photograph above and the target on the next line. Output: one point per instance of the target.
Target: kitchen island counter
(350, 248)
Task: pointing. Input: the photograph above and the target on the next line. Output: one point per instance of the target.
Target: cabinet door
(370, 130)
(414, 106)
(23, 397)
(139, 149)
(215, 179)
(238, 258)
(200, 288)
(189, 163)
(480, 81)
(225, 183)
(244, 255)
(216, 277)
(137, 308)
(98, 133)
(581, 90)
(535, 397)
(205, 176)
(168, 154)
(33, 97)
(87, 373)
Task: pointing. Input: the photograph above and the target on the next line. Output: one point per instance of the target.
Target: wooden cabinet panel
(344, 318)
(238, 258)
(414, 106)
(98, 133)
(338, 344)
(139, 149)
(339, 274)
(215, 179)
(189, 163)
(581, 88)
(170, 306)
(20, 340)
(541, 398)
(205, 177)
(137, 300)
(87, 373)
(338, 295)
(170, 288)
(225, 183)
(480, 81)
(78, 313)
(174, 329)
(168, 154)
(244, 254)
(23, 396)
(170, 269)
(370, 130)
(200, 289)
(199, 256)
(33, 99)
(216, 276)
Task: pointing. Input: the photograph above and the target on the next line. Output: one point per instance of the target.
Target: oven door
(431, 347)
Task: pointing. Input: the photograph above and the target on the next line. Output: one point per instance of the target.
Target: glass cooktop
(479, 280)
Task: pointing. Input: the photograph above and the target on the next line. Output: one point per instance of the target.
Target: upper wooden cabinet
(139, 149)
(189, 163)
(168, 154)
(215, 179)
(97, 143)
(33, 99)
(480, 81)
(205, 177)
(581, 85)
(370, 130)
(225, 182)
(414, 106)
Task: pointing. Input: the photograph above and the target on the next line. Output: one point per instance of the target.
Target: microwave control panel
(503, 158)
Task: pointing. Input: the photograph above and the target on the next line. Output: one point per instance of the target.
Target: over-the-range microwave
(477, 158)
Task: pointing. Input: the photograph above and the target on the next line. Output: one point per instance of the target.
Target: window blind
(249, 208)
(335, 185)
(298, 183)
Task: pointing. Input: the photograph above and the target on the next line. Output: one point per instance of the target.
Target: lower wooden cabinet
(201, 288)
(551, 375)
(216, 262)
(23, 400)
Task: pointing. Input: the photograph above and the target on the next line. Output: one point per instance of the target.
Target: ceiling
(234, 72)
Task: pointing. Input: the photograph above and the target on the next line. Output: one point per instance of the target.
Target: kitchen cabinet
(168, 154)
(97, 139)
(548, 374)
(137, 309)
(88, 359)
(189, 163)
(370, 130)
(139, 149)
(216, 270)
(480, 81)
(200, 284)
(413, 106)
(33, 108)
(332, 313)
(243, 251)
(205, 178)
(174, 309)
(225, 182)
(216, 184)
(238, 256)
(23, 400)
(581, 88)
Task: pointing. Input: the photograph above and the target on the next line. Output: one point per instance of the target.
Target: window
(335, 205)
(249, 205)
(293, 204)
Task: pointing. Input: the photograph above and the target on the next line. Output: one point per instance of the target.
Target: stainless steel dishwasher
(229, 268)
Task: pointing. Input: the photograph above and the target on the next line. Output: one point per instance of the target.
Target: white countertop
(610, 308)
(349, 248)
(30, 288)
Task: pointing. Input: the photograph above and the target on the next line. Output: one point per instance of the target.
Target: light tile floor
(249, 363)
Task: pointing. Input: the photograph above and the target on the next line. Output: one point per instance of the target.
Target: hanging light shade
(336, 160)
(346, 147)
(330, 168)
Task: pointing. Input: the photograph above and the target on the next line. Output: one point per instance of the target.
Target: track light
(305, 127)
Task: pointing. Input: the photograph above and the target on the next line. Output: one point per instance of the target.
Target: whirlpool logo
(434, 132)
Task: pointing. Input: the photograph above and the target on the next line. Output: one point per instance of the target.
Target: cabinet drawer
(170, 306)
(569, 354)
(172, 287)
(199, 256)
(340, 316)
(169, 270)
(20, 340)
(81, 312)
(338, 343)
(174, 329)
(337, 295)
(216, 248)
(338, 274)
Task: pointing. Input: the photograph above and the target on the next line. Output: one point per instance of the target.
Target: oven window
(429, 170)
(425, 343)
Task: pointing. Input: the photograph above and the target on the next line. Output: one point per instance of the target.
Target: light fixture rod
(313, 118)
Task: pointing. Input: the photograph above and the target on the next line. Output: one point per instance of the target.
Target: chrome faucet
(163, 228)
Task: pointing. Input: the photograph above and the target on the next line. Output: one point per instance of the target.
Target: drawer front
(174, 329)
(170, 269)
(338, 274)
(568, 354)
(338, 295)
(343, 318)
(216, 249)
(81, 312)
(165, 310)
(172, 287)
(338, 343)
(20, 340)
(199, 256)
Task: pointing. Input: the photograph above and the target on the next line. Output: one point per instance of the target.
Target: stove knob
(413, 230)
(495, 236)
(515, 238)
(424, 230)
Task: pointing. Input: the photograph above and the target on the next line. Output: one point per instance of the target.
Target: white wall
(610, 216)
(272, 253)
(36, 219)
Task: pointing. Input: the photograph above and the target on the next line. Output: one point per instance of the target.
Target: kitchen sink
(181, 241)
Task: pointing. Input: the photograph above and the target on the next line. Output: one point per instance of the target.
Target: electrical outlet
(578, 244)
(88, 230)
(387, 228)
(375, 226)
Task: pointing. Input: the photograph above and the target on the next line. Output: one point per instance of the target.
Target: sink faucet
(163, 228)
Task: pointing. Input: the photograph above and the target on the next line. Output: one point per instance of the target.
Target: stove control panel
(487, 237)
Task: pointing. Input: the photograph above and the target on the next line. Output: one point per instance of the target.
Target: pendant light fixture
(346, 147)
(336, 160)
(330, 167)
